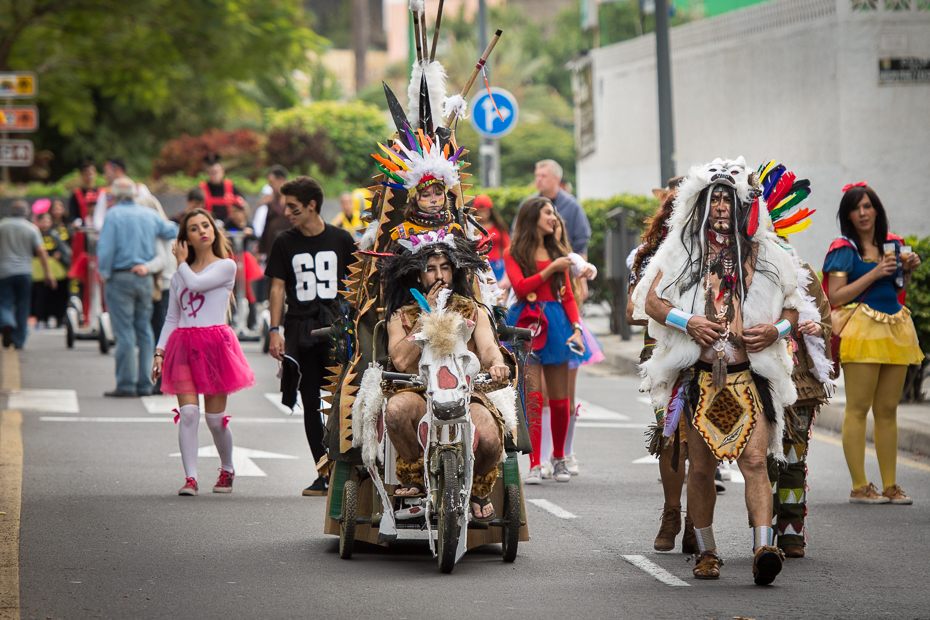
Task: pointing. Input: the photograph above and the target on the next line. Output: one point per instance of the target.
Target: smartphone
(574, 348)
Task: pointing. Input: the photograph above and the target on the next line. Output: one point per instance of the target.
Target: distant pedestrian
(497, 228)
(195, 200)
(126, 244)
(350, 210)
(114, 169)
(19, 241)
(219, 193)
(49, 302)
(197, 352)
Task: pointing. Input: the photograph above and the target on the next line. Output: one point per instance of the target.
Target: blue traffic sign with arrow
(485, 119)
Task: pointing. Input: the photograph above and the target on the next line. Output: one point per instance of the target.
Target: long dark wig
(401, 272)
(848, 204)
(526, 240)
(693, 237)
(655, 233)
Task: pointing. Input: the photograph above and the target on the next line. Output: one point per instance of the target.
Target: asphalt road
(104, 535)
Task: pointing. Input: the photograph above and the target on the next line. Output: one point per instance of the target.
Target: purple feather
(673, 411)
(455, 155)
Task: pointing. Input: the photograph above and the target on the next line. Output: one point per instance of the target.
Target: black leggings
(313, 364)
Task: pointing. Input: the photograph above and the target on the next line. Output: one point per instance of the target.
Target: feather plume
(365, 411)
(673, 412)
(417, 6)
(455, 105)
(441, 329)
(436, 85)
(505, 401)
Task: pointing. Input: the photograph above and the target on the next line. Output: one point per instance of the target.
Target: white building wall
(793, 80)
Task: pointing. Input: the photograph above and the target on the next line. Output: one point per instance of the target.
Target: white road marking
(580, 424)
(654, 570)
(275, 399)
(736, 476)
(644, 400)
(162, 403)
(50, 401)
(590, 411)
(235, 419)
(242, 459)
(552, 508)
(647, 460)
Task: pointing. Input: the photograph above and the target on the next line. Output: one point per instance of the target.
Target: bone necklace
(725, 268)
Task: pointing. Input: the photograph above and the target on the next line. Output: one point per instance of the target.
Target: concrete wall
(794, 80)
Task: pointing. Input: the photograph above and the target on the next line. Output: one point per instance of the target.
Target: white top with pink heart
(199, 299)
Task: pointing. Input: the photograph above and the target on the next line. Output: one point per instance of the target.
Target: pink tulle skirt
(205, 360)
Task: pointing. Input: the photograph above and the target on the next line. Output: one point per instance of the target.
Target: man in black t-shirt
(307, 266)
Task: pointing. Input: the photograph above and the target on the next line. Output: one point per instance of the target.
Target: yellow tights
(877, 387)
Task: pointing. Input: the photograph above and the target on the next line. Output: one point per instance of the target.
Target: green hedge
(918, 292)
(638, 208)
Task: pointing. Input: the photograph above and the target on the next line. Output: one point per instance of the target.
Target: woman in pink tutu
(197, 352)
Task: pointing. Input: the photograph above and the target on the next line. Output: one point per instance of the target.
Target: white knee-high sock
(189, 420)
(222, 438)
(570, 437)
(545, 450)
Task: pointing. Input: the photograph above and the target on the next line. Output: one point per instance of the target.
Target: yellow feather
(767, 169)
(796, 228)
(397, 160)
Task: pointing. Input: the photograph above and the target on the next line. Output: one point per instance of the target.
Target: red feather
(781, 191)
(753, 218)
(794, 219)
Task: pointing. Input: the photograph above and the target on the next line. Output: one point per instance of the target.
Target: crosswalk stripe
(552, 508)
(580, 424)
(51, 401)
(655, 571)
(114, 419)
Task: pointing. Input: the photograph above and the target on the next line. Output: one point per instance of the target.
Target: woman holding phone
(537, 265)
(865, 272)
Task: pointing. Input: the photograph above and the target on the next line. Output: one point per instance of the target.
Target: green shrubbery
(918, 292)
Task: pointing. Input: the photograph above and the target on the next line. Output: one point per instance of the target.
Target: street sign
(16, 153)
(484, 117)
(19, 118)
(18, 85)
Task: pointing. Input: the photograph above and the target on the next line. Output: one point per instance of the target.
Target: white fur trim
(367, 242)
(455, 105)
(417, 6)
(365, 412)
(435, 83)
(505, 401)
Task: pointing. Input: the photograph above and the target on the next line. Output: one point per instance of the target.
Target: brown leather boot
(668, 529)
(689, 540)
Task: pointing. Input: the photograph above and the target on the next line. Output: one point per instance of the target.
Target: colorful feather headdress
(783, 193)
(419, 163)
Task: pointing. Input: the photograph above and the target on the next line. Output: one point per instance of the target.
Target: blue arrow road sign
(484, 117)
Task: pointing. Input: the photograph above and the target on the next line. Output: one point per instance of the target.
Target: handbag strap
(839, 334)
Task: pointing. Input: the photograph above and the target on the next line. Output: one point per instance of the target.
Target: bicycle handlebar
(508, 332)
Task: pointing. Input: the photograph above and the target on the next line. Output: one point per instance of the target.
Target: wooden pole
(425, 38)
(432, 52)
(416, 35)
(478, 67)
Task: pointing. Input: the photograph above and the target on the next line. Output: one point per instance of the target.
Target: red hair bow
(846, 188)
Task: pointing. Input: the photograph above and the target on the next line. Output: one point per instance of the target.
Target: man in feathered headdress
(813, 368)
(430, 264)
(721, 296)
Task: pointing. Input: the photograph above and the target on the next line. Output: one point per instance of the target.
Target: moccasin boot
(689, 540)
(793, 551)
(767, 565)
(668, 529)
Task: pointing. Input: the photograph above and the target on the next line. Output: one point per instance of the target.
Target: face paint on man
(721, 205)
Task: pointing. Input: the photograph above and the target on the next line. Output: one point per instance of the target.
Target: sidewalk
(623, 356)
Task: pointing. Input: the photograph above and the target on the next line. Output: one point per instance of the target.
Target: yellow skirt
(873, 337)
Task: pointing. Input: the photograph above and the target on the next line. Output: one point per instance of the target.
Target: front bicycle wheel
(449, 512)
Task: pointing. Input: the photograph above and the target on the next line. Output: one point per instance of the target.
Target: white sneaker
(560, 471)
(572, 463)
(546, 469)
(534, 477)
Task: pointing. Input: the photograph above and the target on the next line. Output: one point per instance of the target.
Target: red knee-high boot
(559, 411)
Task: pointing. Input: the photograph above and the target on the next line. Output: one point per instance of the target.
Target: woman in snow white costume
(197, 353)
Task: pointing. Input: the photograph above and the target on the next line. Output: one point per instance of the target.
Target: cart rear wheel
(103, 335)
(449, 514)
(347, 520)
(510, 529)
(69, 332)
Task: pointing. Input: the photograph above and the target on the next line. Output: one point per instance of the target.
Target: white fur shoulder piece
(365, 413)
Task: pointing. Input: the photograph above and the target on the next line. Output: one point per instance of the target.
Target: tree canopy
(119, 78)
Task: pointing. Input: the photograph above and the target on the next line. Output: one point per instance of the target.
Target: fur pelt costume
(773, 288)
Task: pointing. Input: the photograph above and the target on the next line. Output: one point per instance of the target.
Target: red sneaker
(224, 482)
(189, 488)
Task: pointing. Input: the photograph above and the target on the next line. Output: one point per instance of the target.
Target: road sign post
(493, 118)
(17, 119)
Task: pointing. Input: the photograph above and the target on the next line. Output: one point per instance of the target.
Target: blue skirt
(559, 329)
